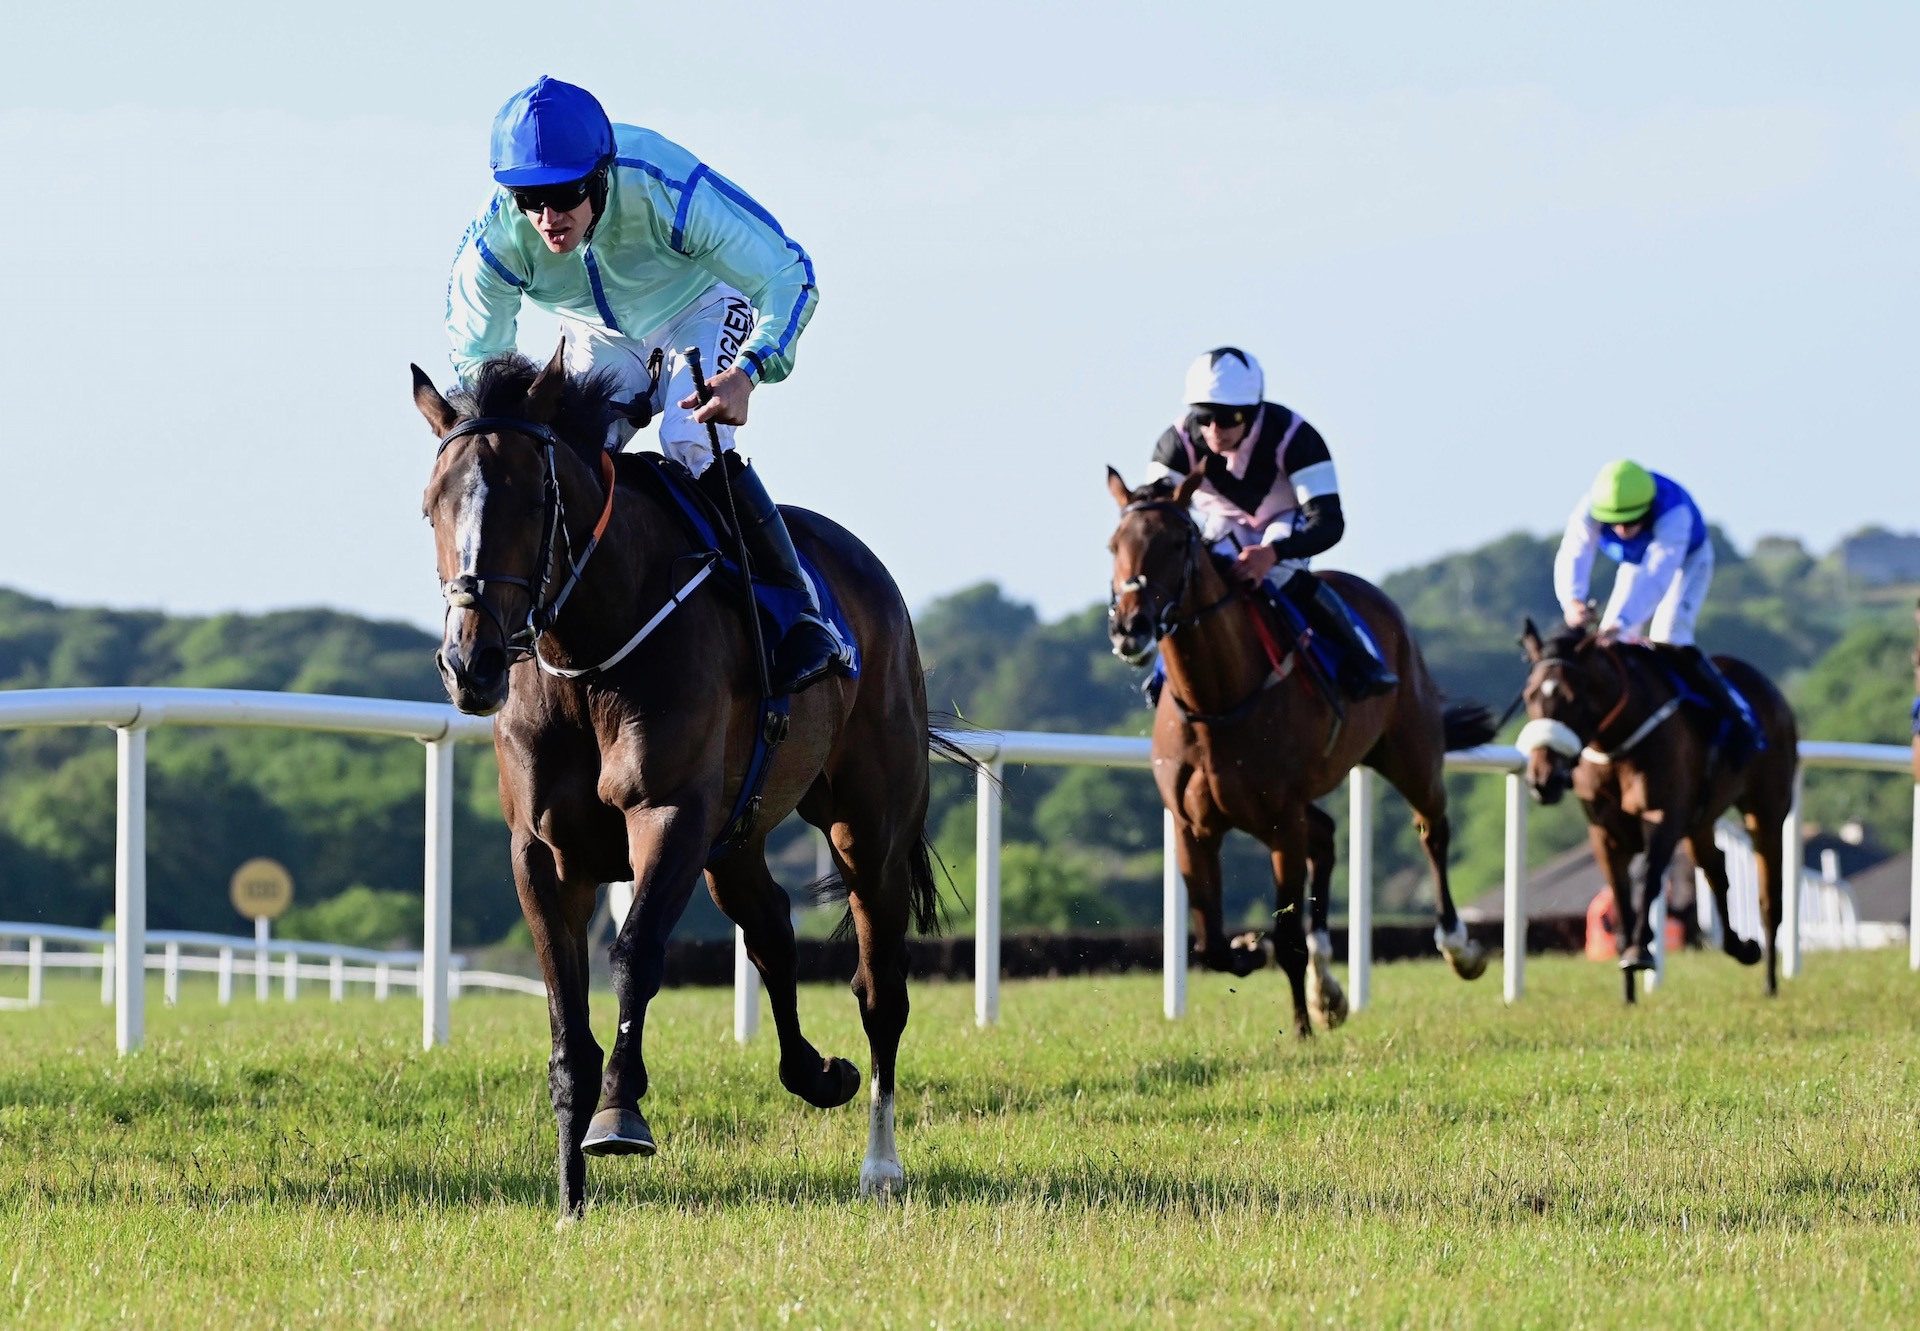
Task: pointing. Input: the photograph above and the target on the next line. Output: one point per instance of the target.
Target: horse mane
(1566, 643)
(586, 407)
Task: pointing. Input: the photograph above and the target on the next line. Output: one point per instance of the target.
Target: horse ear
(1530, 640)
(1188, 484)
(543, 394)
(1118, 488)
(438, 411)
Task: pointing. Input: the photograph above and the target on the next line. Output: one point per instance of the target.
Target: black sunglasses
(562, 198)
(1222, 416)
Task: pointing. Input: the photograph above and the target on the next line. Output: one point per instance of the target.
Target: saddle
(708, 529)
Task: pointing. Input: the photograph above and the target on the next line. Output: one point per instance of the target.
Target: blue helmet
(549, 134)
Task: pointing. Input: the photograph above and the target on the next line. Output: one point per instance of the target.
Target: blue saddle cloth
(779, 605)
(1723, 725)
(1292, 621)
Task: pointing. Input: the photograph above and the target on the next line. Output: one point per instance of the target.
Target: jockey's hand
(1579, 614)
(1254, 563)
(727, 403)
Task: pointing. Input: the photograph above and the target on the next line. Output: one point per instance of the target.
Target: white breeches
(1674, 617)
(717, 322)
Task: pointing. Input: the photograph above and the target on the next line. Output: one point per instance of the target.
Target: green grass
(1705, 1158)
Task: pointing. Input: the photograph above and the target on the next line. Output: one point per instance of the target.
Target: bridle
(1166, 618)
(467, 589)
(1591, 748)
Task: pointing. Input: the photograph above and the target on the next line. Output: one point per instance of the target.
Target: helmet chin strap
(597, 196)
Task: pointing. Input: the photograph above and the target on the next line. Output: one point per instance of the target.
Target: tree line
(1082, 846)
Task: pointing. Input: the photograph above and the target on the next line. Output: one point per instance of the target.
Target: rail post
(36, 971)
(1913, 889)
(382, 981)
(130, 890)
(172, 984)
(437, 946)
(1792, 870)
(106, 975)
(986, 896)
(746, 991)
(290, 972)
(337, 979)
(262, 963)
(1173, 908)
(1514, 917)
(226, 976)
(1657, 921)
(1359, 889)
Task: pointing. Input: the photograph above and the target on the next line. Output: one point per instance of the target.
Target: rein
(466, 591)
(1167, 621)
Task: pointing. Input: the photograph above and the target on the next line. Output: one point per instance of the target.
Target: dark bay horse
(1239, 743)
(1607, 722)
(630, 770)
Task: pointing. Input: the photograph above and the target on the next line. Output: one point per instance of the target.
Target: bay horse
(1607, 721)
(628, 769)
(1239, 742)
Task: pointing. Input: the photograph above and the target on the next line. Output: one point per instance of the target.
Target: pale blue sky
(1482, 251)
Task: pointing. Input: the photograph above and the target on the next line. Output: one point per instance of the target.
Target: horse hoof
(1249, 952)
(1328, 1004)
(1469, 962)
(1744, 950)
(618, 1132)
(827, 1085)
(882, 1180)
(1637, 957)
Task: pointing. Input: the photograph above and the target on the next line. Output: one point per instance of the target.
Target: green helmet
(1622, 492)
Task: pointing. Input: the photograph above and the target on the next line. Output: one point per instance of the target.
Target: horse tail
(1467, 725)
(925, 908)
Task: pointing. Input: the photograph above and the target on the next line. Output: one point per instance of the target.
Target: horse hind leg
(744, 889)
(1466, 955)
(886, 869)
(1326, 1000)
(1768, 834)
(1417, 772)
(1711, 861)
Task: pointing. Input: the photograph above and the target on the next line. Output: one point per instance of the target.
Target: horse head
(1571, 693)
(1156, 549)
(493, 503)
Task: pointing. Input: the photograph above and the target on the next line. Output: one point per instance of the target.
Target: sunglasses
(562, 198)
(1228, 417)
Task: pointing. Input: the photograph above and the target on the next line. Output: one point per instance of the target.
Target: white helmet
(1225, 377)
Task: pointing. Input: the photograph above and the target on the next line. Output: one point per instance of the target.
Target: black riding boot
(809, 649)
(1362, 674)
(1743, 736)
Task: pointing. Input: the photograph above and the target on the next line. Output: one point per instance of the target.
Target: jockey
(1652, 528)
(1269, 502)
(642, 249)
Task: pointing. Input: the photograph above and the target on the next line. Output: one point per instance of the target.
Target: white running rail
(132, 712)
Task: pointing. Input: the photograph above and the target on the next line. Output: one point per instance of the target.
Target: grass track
(1708, 1158)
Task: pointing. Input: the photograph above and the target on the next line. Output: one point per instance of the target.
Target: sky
(1483, 252)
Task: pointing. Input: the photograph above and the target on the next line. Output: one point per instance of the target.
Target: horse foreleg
(666, 846)
(1661, 837)
(1288, 843)
(750, 897)
(1198, 856)
(1614, 842)
(557, 916)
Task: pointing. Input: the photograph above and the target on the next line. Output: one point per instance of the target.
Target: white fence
(132, 712)
(228, 956)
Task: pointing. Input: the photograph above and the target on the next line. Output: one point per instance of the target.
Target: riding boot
(1362, 674)
(807, 649)
(1743, 735)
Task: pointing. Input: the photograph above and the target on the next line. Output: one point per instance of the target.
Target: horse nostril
(489, 665)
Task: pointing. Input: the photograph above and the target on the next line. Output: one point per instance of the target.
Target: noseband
(467, 590)
(1166, 619)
